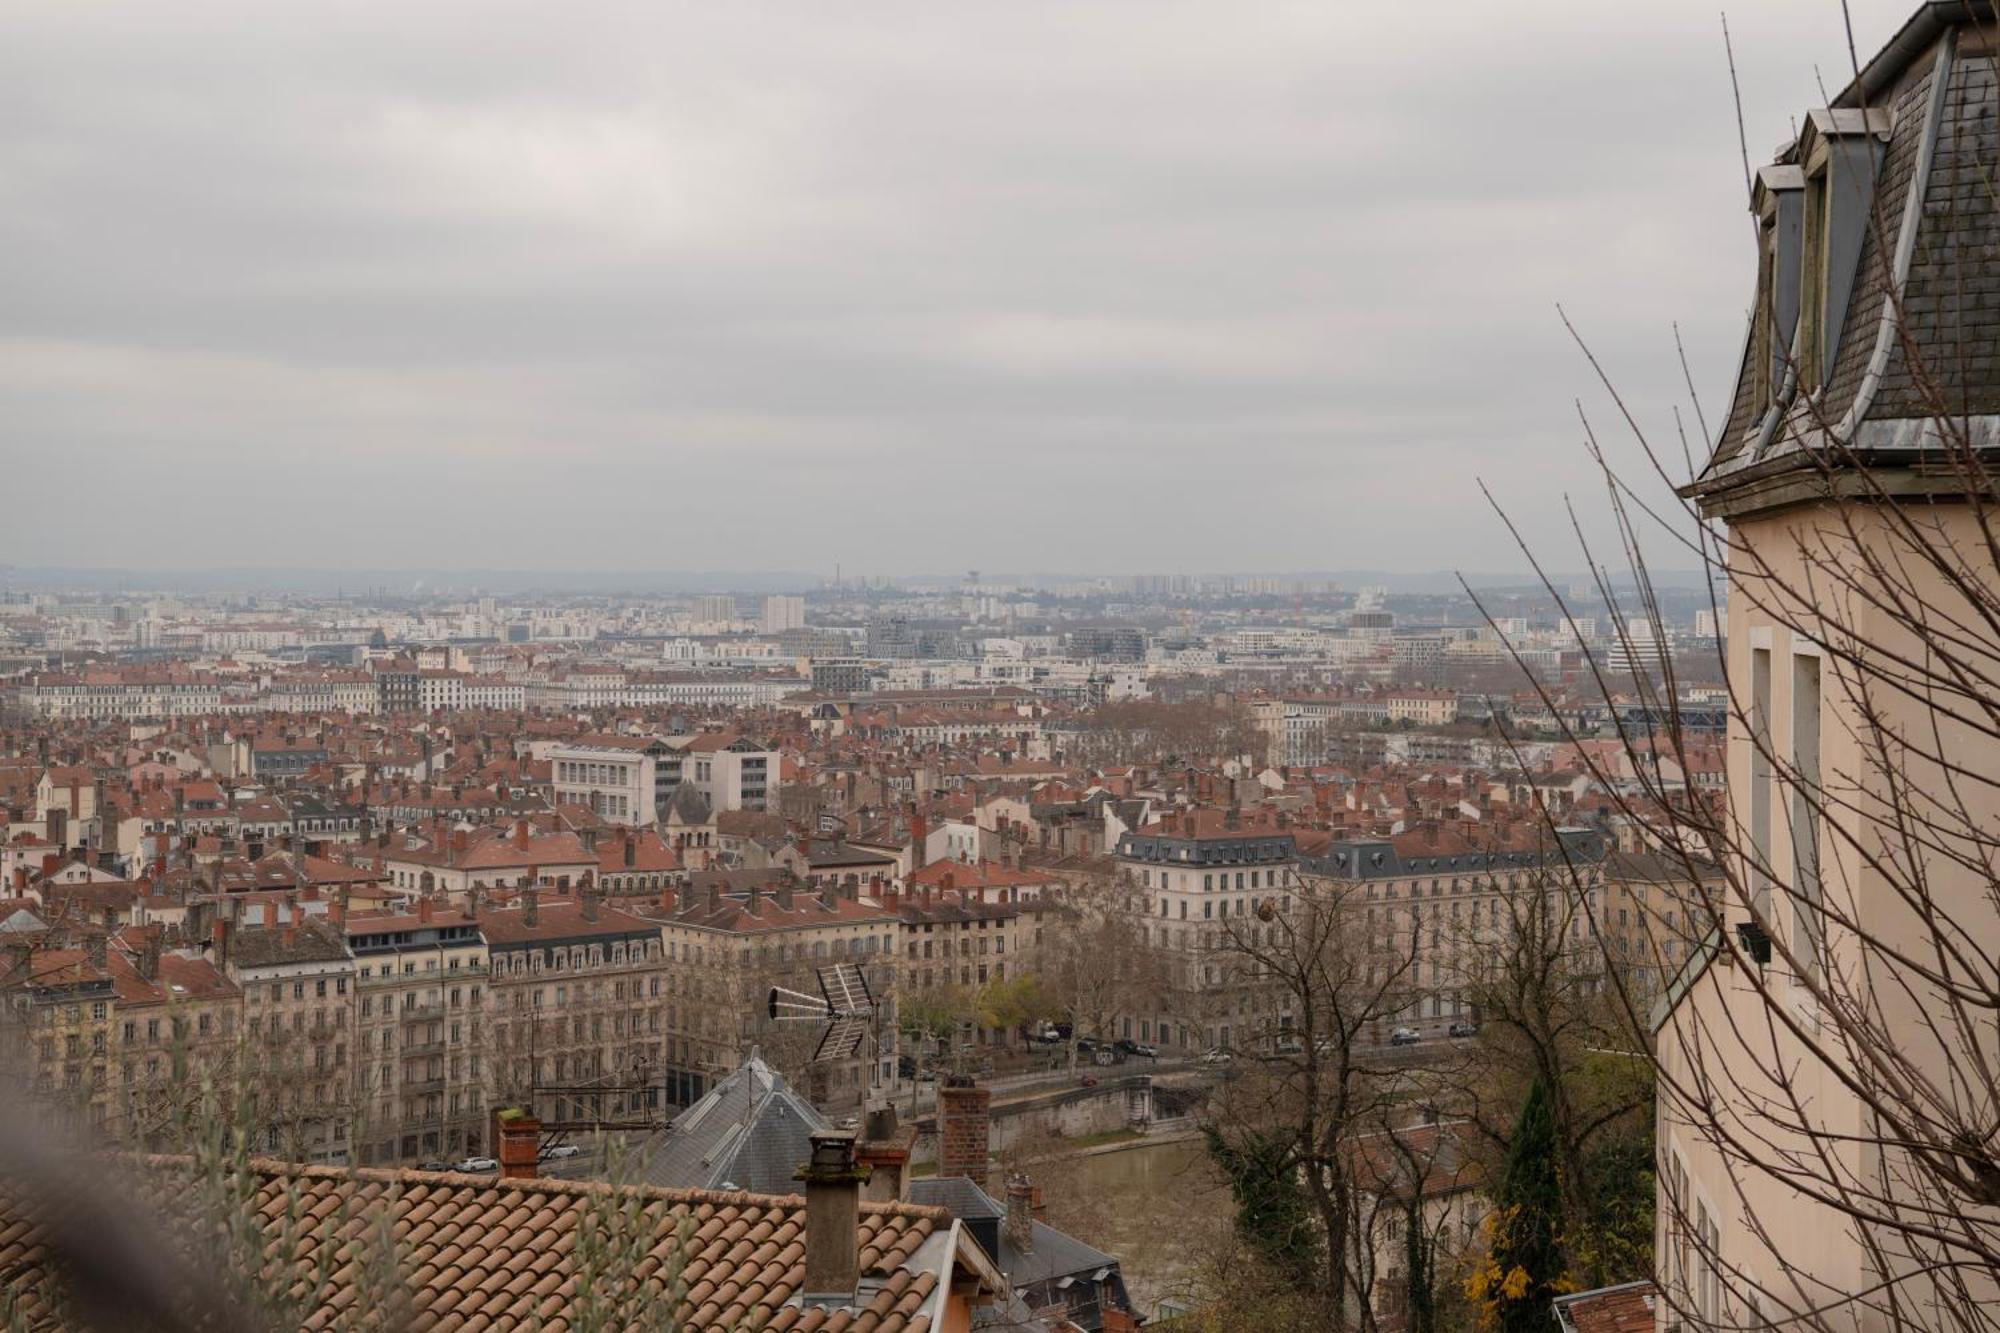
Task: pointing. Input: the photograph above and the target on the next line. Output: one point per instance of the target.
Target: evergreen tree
(1271, 1211)
(1526, 1267)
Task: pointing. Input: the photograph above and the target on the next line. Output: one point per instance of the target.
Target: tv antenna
(843, 1005)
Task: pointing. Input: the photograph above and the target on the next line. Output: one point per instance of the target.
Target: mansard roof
(1912, 253)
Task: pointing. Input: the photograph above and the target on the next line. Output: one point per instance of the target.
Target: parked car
(1405, 1037)
(906, 1066)
(1217, 1057)
(1463, 1028)
(566, 1150)
(433, 1166)
(477, 1165)
(1086, 1043)
(1290, 1046)
(1140, 1048)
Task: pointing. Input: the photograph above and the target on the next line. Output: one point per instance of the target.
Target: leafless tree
(1320, 1081)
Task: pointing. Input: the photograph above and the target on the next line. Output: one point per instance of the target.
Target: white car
(1405, 1037)
(477, 1165)
(565, 1150)
(1217, 1057)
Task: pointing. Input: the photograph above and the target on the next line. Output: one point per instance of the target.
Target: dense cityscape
(1612, 946)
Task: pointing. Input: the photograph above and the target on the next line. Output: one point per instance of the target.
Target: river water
(1162, 1208)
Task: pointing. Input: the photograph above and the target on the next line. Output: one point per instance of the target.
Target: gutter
(1923, 28)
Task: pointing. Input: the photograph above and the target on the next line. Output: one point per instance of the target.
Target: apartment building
(298, 985)
(732, 771)
(59, 1041)
(176, 1023)
(419, 1040)
(615, 777)
(1448, 886)
(730, 947)
(577, 1006)
(1855, 470)
(1190, 874)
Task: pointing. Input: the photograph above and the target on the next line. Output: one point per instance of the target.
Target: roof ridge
(272, 1166)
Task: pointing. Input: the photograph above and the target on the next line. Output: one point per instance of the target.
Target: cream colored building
(1792, 1075)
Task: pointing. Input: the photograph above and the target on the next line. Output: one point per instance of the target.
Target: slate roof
(485, 1253)
(751, 1131)
(1934, 172)
(1056, 1255)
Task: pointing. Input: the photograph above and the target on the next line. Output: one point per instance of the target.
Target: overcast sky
(1096, 287)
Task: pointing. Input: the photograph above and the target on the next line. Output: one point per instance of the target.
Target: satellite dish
(843, 1004)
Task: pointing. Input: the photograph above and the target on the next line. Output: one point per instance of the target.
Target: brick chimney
(517, 1136)
(426, 910)
(530, 907)
(833, 1182)
(270, 914)
(920, 833)
(1019, 1228)
(219, 935)
(964, 1129)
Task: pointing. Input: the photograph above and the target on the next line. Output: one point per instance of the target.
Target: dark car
(906, 1066)
(1405, 1037)
(1086, 1043)
(1126, 1046)
(1462, 1028)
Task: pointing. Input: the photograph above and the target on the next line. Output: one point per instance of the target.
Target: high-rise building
(782, 612)
(714, 608)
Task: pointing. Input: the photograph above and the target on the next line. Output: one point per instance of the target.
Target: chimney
(148, 961)
(530, 904)
(920, 832)
(518, 1138)
(94, 949)
(1019, 1228)
(270, 914)
(631, 850)
(886, 1154)
(521, 834)
(964, 1127)
(219, 934)
(833, 1219)
(426, 910)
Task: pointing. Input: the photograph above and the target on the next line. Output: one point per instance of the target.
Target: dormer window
(1778, 203)
(1841, 151)
(1812, 283)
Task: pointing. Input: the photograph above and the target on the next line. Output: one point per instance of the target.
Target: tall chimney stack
(964, 1130)
(833, 1220)
(1019, 1228)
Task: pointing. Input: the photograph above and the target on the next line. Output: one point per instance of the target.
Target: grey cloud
(1145, 285)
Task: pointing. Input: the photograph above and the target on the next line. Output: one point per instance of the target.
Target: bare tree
(1297, 1111)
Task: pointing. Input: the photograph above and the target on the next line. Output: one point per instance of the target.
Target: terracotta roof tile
(478, 1253)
